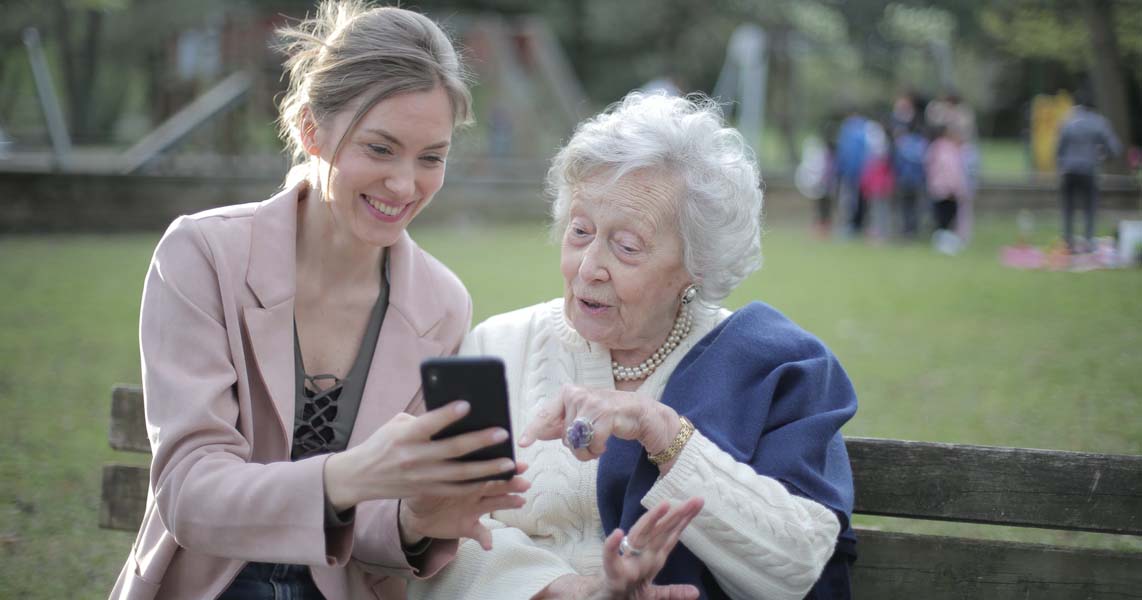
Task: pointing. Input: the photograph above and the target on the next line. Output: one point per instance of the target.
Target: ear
(309, 133)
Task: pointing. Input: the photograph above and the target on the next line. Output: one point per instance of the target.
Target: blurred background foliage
(123, 66)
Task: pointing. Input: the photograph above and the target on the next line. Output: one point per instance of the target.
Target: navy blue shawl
(774, 397)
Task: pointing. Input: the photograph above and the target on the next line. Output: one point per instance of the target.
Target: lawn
(945, 349)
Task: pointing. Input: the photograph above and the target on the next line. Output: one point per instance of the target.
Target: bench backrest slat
(1003, 486)
(128, 424)
(921, 480)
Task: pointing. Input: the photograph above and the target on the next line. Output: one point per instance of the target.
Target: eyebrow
(394, 141)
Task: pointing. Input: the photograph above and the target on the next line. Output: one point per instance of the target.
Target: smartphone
(480, 381)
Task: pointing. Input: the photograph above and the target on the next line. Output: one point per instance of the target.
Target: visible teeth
(384, 208)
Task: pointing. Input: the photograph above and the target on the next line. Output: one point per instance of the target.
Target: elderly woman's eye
(624, 247)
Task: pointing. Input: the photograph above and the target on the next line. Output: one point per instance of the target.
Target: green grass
(1003, 158)
(946, 349)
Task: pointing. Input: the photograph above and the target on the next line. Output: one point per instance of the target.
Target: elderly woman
(635, 391)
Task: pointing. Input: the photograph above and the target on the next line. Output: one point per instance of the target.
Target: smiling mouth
(383, 208)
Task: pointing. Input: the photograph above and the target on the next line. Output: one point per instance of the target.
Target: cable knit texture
(758, 540)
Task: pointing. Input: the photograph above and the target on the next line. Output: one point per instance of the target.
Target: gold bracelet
(675, 447)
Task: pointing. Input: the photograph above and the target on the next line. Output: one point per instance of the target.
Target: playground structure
(529, 96)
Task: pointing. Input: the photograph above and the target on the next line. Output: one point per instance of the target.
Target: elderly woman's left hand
(625, 415)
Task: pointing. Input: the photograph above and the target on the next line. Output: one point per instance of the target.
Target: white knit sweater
(758, 540)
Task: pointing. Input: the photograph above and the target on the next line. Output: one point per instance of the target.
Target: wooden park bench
(1046, 489)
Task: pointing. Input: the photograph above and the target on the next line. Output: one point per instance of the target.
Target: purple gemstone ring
(579, 433)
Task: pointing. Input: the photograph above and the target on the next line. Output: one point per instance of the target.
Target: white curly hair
(720, 206)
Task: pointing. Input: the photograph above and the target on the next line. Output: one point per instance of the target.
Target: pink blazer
(216, 335)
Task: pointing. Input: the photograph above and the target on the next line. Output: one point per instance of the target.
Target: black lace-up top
(325, 406)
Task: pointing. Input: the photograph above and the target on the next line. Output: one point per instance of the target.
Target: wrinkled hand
(654, 535)
(449, 517)
(625, 415)
(400, 460)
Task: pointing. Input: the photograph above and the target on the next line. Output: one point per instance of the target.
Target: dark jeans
(269, 581)
(944, 212)
(824, 210)
(856, 218)
(1080, 187)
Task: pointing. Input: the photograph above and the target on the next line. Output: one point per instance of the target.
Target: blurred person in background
(954, 115)
(947, 183)
(876, 183)
(904, 112)
(1085, 140)
(815, 178)
(852, 154)
(636, 391)
(909, 148)
(963, 123)
(281, 342)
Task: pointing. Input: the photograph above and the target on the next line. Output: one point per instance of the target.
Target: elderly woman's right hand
(400, 460)
(631, 574)
(651, 539)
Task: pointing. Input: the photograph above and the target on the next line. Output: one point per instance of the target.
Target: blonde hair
(352, 51)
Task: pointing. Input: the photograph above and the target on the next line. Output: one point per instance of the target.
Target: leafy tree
(1100, 37)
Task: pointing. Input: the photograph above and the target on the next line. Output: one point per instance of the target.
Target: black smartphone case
(479, 380)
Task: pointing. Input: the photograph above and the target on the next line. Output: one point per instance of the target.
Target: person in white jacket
(647, 413)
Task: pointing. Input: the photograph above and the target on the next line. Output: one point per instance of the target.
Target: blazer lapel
(270, 332)
(272, 276)
(394, 376)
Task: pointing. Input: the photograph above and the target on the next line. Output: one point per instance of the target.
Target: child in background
(947, 183)
(815, 177)
(876, 184)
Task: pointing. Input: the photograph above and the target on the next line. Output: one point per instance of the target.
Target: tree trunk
(1106, 70)
(10, 89)
(670, 48)
(781, 91)
(154, 73)
(579, 58)
(86, 100)
(67, 54)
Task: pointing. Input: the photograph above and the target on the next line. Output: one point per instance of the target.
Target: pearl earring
(689, 294)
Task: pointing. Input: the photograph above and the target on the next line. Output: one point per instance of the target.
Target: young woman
(281, 342)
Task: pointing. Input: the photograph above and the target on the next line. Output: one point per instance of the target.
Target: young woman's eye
(434, 159)
(379, 149)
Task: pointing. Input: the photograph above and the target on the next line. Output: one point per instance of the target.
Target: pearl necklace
(645, 368)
